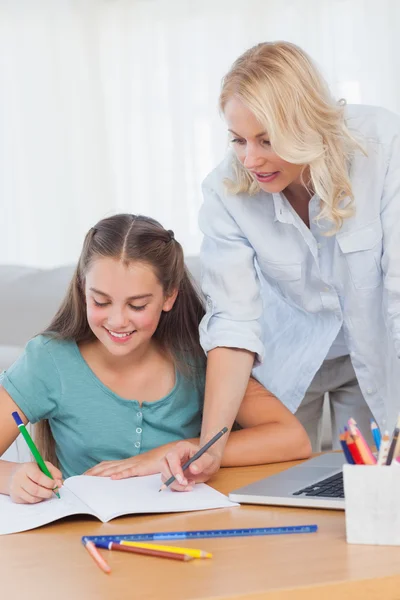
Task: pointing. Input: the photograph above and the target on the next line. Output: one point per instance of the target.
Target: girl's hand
(142, 464)
(28, 485)
(200, 470)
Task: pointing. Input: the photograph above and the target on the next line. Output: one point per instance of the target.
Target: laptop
(315, 483)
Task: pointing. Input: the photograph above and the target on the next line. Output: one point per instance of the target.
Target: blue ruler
(198, 535)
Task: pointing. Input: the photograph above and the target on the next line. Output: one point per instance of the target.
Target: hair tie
(171, 235)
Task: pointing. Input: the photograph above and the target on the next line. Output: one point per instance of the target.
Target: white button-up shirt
(284, 291)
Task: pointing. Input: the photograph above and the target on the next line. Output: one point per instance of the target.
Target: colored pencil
(31, 445)
(175, 549)
(354, 451)
(376, 434)
(345, 449)
(384, 449)
(393, 443)
(195, 457)
(98, 559)
(365, 452)
(146, 551)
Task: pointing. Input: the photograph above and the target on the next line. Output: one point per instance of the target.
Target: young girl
(120, 371)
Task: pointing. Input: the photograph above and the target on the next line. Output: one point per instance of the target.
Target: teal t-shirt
(89, 422)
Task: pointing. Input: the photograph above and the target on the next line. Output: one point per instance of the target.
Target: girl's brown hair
(130, 238)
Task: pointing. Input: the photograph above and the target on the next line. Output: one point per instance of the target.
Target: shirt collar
(282, 213)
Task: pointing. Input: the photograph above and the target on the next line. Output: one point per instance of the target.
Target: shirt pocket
(285, 277)
(362, 250)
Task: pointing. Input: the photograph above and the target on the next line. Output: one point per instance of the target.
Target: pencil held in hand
(195, 456)
(36, 455)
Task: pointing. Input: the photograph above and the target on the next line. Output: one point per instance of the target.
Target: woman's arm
(230, 332)
(228, 371)
(271, 433)
(227, 378)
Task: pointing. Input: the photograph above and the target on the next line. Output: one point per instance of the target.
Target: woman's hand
(142, 464)
(200, 470)
(28, 485)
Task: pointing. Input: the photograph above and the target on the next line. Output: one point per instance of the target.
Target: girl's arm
(9, 432)
(271, 433)
(24, 482)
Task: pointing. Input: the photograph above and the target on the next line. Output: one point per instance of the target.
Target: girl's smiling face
(124, 303)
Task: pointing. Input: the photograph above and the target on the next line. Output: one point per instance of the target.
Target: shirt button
(137, 444)
(209, 303)
(138, 430)
(139, 414)
(319, 245)
(352, 354)
(369, 391)
(326, 289)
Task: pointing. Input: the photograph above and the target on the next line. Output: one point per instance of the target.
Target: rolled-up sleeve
(390, 216)
(229, 281)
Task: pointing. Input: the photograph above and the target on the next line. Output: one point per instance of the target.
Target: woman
(301, 252)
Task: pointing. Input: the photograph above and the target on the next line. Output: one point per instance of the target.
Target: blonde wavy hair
(282, 87)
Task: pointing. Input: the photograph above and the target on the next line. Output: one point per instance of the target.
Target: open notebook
(106, 499)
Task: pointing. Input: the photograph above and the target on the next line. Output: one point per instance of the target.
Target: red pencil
(354, 451)
(365, 452)
(147, 551)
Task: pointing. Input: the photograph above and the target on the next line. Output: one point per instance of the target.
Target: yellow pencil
(175, 549)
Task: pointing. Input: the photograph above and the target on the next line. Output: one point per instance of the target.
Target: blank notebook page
(106, 499)
(20, 517)
(110, 498)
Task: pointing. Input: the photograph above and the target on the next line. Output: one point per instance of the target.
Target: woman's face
(251, 144)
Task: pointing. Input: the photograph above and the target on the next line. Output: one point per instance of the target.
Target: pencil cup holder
(372, 496)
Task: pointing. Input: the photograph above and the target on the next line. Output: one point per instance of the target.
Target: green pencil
(25, 434)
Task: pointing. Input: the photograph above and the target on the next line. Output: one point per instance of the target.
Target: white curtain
(111, 105)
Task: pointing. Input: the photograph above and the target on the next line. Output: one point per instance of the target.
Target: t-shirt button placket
(138, 430)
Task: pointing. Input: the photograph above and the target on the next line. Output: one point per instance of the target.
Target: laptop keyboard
(332, 487)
